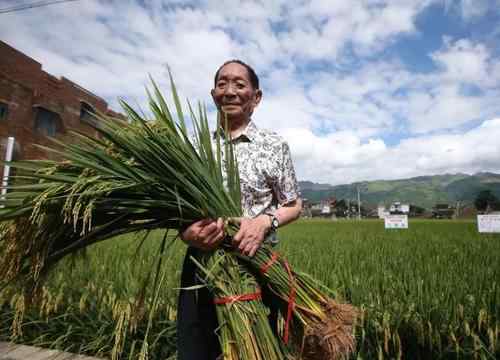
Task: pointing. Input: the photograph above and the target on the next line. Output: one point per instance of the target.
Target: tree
(340, 208)
(416, 210)
(486, 200)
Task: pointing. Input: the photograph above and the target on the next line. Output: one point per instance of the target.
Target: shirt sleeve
(286, 187)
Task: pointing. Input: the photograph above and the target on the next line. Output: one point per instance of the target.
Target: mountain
(423, 191)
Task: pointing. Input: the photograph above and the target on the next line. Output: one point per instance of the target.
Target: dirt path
(9, 351)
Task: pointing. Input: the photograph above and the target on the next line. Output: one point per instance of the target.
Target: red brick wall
(20, 119)
(24, 87)
(19, 66)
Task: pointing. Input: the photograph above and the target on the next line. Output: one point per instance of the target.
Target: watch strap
(274, 222)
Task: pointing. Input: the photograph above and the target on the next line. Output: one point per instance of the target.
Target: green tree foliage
(416, 210)
(485, 200)
(341, 208)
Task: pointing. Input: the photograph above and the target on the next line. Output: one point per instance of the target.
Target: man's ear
(212, 92)
(258, 97)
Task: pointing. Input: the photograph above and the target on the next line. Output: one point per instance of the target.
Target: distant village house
(443, 211)
(394, 209)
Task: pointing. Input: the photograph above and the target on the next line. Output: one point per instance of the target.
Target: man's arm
(289, 212)
(208, 234)
(253, 231)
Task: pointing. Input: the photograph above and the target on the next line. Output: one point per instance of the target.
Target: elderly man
(270, 199)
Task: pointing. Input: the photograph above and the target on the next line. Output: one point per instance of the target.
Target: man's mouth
(229, 106)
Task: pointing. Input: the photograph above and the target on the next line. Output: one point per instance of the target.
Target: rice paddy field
(429, 292)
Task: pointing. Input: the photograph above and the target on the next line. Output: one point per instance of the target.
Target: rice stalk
(318, 326)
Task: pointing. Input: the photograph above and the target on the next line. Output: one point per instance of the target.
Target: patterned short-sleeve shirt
(266, 170)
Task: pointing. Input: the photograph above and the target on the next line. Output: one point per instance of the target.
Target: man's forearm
(289, 212)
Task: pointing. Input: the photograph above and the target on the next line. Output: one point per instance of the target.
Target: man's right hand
(205, 234)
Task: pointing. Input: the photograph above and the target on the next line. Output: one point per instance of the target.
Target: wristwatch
(274, 222)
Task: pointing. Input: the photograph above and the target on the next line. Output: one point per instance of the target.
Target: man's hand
(251, 234)
(205, 234)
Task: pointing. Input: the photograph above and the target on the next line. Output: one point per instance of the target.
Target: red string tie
(291, 303)
(291, 297)
(274, 257)
(235, 298)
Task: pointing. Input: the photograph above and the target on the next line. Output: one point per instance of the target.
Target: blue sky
(362, 90)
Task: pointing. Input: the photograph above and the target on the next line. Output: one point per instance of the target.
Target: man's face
(234, 94)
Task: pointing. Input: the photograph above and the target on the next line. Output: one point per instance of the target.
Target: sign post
(488, 223)
(396, 222)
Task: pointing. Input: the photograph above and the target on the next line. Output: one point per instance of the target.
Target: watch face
(275, 223)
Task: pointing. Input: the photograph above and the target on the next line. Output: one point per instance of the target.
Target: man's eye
(221, 84)
(240, 86)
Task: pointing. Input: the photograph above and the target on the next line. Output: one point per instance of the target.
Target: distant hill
(423, 191)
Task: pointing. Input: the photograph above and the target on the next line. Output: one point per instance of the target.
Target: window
(4, 110)
(47, 122)
(87, 113)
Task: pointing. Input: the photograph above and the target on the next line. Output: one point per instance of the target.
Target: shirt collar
(248, 134)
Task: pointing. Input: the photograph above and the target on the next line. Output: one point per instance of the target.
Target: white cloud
(438, 101)
(444, 108)
(366, 26)
(464, 61)
(471, 10)
(387, 96)
(329, 86)
(343, 157)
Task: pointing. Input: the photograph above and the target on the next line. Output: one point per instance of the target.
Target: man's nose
(230, 90)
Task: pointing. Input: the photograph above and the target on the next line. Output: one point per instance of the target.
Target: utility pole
(6, 168)
(359, 205)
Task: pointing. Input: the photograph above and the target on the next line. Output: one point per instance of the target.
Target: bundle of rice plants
(244, 328)
(139, 175)
(315, 325)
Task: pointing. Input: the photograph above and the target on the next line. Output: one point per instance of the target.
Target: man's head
(252, 75)
(236, 91)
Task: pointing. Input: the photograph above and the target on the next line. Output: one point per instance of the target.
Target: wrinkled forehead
(233, 71)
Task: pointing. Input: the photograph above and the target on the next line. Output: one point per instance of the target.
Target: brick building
(35, 105)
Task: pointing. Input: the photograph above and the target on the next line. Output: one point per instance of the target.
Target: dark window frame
(87, 113)
(47, 122)
(4, 110)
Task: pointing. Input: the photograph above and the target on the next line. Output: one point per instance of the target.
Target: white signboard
(396, 222)
(488, 223)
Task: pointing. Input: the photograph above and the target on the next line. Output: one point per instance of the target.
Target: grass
(427, 292)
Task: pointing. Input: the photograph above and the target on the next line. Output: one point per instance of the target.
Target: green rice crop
(95, 304)
(431, 291)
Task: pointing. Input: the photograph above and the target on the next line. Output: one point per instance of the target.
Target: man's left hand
(251, 234)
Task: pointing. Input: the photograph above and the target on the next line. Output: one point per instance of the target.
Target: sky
(360, 89)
